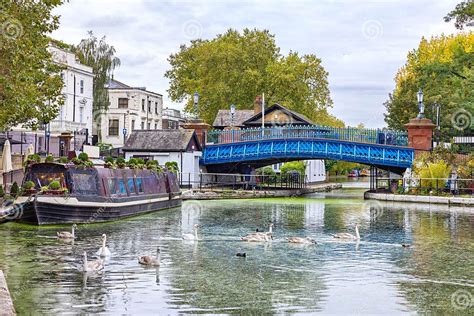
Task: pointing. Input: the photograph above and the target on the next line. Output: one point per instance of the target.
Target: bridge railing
(363, 135)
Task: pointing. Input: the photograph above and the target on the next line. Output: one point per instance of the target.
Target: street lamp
(232, 113)
(196, 100)
(421, 106)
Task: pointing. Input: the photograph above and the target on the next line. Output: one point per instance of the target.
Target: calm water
(376, 275)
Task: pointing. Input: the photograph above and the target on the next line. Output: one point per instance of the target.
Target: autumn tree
(235, 67)
(444, 68)
(30, 82)
(463, 14)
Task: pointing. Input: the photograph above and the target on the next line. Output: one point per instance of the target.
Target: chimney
(257, 104)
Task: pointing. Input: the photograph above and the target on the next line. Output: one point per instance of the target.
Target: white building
(131, 108)
(172, 118)
(76, 112)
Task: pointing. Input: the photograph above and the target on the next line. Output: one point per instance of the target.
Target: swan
(151, 260)
(104, 250)
(68, 235)
(256, 238)
(263, 234)
(348, 235)
(194, 236)
(95, 265)
(301, 240)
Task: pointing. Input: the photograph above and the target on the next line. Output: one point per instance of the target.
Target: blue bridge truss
(237, 148)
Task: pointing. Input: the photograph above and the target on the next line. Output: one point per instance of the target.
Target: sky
(362, 43)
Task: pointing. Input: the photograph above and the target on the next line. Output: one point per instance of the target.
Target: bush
(140, 161)
(2, 191)
(14, 190)
(28, 185)
(297, 166)
(109, 159)
(54, 185)
(438, 170)
(83, 157)
(120, 161)
(34, 158)
(172, 166)
(268, 173)
(63, 160)
(49, 158)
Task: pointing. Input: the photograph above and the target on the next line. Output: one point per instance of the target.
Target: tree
(463, 14)
(235, 67)
(444, 68)
(101, 57)
(30, 82)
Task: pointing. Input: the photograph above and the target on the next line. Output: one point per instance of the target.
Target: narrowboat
(93, 194)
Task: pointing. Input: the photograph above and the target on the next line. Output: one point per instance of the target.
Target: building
(131, 108)
(167, 145)
(274, 116)
(172, 118)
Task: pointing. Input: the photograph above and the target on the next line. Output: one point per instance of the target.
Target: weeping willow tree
(99, 55)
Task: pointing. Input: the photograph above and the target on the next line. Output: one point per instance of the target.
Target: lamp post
(421, 106)
(437, 106)
(232, 113)
(196, 100)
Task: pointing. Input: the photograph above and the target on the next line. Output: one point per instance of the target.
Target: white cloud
(361, 43)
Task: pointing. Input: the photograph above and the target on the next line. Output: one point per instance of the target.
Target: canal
(376, 275)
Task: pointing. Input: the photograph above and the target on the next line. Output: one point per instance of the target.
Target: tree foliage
(99, 55)
(235, 67)
(463, 14)
(30, 82)
(444, 68)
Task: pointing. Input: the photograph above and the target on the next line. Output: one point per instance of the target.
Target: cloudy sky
(362, 43)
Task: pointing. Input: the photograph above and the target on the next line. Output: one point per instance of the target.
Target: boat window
(112, 186)
(122, 189)
(84, 183)
(139, 183)
(44, 179)
(131, 186)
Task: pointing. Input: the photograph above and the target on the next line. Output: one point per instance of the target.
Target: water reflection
(334, 276)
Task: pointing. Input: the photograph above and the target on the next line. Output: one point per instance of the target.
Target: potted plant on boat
(29, 187)
(121, 162)
(32, 159)
(109, 162)
(55, 188)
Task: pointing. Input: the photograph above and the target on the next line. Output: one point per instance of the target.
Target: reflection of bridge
(232, 149)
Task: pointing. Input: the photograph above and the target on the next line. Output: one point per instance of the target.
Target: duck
(194, 236)
(151, 260)
(68, 235)
(256, 238)
(348, 235)
(241, 254)
(95, 265)
(301, 240)
(104, 250)
(406, 245)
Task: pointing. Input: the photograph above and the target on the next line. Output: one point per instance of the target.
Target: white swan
(151, 260)
(268, 235)
(348, 235)
(301, 240)
(68, 235)
(104, 250)
(194, 236)
(95, 265)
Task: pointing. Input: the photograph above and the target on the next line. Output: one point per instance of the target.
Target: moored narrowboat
(93, 194)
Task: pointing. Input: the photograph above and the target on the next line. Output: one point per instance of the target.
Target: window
(113, 127)
(149, 106)
(82, 85)
(156, 107)
(133, 125)
(123, 103)
(112, 186)
(131, 186)
(81, 115)
(156, 125)
(139, 183)
(143, 125)
(122, 189)
(143, 105)
(149, 125)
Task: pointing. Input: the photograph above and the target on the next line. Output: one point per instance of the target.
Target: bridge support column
(420, 135)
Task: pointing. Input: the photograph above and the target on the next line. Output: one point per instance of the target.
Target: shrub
(268, 172)
(34, 158)
(83, 157)
(120, 161)
(172, 166)
(2, 191)
(435, 170)
(14, 190)
(49, 158)
(109, 159)
(28, 185)
(140, 161)
(63, 160)
(297, 166)
(152, 163)
(54, 185)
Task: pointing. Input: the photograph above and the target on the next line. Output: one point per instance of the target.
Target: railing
(63, 126)
(426, 186)
(363, 135)
(212, 181)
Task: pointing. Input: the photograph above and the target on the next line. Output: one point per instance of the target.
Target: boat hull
(67, 210)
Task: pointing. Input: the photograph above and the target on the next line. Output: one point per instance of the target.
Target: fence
(425, 186)
(364, 135)
(242, 181)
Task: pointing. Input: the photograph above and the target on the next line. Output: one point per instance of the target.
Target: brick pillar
(420, 134)
(199, 127)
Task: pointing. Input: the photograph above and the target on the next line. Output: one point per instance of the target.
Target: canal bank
(6, 304)
(447, 200)
(217, 194)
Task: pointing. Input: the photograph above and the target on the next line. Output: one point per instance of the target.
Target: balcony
(66, 126)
